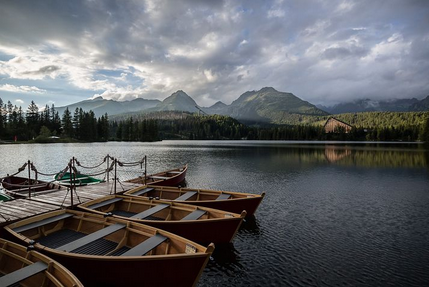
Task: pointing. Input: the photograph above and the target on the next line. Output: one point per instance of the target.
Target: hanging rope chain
(22, 168)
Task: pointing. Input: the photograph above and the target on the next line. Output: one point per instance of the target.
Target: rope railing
(22, 168)
(72, 168)
(91, 167)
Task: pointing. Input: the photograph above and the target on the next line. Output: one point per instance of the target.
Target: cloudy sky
(323, 51)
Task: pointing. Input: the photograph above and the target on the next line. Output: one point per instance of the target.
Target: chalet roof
(332, 118)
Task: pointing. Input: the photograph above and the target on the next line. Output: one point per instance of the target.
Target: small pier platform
(18, 209)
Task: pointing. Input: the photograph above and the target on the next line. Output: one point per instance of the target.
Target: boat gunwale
(235, 216)
(242, 195)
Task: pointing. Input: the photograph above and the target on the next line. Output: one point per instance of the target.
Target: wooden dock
(18, 209)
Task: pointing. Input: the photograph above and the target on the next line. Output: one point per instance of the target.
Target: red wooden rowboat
(172, 177)
(19, 187)
(199, 224)
(22, 267)
(107, 251)
(224, 200)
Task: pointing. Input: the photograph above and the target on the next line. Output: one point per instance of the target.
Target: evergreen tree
(67, 124)
(2, 119)
(33, 120)
(425, 134)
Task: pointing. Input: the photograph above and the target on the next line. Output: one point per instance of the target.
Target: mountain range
(264, 106)
(368, 105)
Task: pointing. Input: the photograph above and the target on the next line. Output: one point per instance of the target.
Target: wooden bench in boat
(194, 215)
(223, 196)
(42, 222)
(146, 246)
(186, 196)
(175, 172)
(22, 274)
(104, 203)
(91, 237)
(159, 177)
(150, 211)
(143, 191)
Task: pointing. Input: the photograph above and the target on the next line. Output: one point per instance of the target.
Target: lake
(334, 214)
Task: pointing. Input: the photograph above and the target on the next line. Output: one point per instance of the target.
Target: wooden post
(29, 179)
(107, 170)
(116, 162)
(71, 179)
(145, 168)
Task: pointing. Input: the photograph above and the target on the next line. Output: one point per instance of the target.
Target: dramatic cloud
(322, 51)
(21, 89)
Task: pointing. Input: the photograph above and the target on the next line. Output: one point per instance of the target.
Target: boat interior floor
(99, 247)
(129, 214)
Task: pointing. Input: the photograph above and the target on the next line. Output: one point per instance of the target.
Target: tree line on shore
(41, 126)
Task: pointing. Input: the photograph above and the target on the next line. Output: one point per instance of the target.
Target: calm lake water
(335, 214)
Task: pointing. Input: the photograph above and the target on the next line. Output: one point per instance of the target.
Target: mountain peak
(178, 101)
(267, 90)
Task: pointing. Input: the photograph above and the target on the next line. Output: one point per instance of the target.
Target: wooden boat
(79, 179)
(199, 224)
(223, 200)
(19, 267)
(4, 196)
(172, 177)
(20, 187)
(107, 251)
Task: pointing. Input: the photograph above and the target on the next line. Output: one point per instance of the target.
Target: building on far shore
(334, 125)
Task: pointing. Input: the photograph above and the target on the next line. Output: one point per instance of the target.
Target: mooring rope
(90, 167)
(19, 170)
(33, 168)
(135, 163)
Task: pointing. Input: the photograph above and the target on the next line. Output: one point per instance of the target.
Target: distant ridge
(102, 106)
(265, 106)
(368, 105)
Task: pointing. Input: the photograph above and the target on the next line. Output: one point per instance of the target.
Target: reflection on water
(333, 153)
(334, 213)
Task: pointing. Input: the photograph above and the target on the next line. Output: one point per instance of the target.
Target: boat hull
(216, 231)
(250, 205)
(173, 177)
(18, 186)
(133, 272)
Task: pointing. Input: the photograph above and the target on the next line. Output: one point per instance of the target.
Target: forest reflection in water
(359, 156)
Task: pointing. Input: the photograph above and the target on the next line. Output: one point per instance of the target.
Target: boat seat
(69, 247)
(194, 215)
(104, 203)
(159, 177)
(186, 196)
(223, 196)
(175, 172)
(150, 211)
(146, 246)
(42, 222)
(22, 274)
(143, 191)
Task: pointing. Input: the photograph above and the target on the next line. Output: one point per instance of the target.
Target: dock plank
(14, 210)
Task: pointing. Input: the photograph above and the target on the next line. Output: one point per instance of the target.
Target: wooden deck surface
(17, 209)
